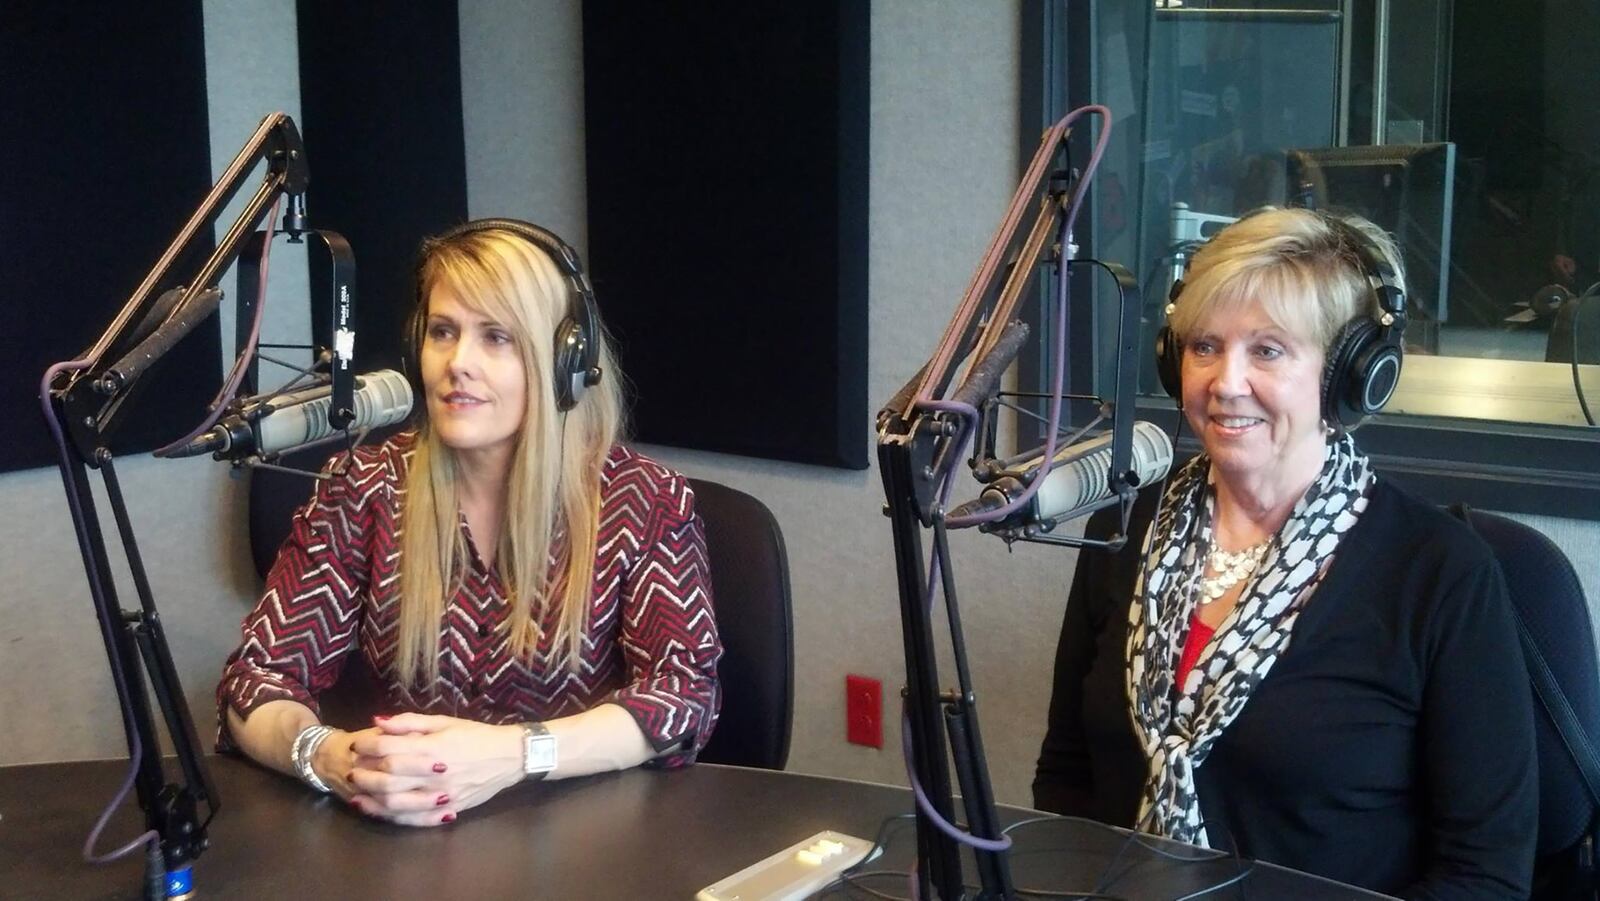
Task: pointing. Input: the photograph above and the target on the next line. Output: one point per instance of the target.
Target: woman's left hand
(421, 770)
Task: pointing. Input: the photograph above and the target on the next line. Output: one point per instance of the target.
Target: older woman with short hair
(1301, 661)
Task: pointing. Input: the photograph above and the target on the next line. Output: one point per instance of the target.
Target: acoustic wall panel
(380, 94)
(106, 155)
(727, 191)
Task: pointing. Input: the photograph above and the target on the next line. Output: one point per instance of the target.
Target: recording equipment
(923, 433)
(82, 414)
(1549, 300)
(1362, 366)
(1079, 480)
(577, 336)
(291, 421)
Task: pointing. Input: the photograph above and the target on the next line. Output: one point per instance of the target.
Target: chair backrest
(274, 496)
(1576, 329)
(1548, 598)
(750, 592)
(750, 595)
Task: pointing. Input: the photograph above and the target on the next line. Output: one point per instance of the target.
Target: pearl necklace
(1230, 569)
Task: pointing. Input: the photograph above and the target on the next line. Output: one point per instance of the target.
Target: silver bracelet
(304, 748)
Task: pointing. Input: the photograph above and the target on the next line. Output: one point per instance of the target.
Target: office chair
(1575, 333)
(750, 595)
(1553, 623)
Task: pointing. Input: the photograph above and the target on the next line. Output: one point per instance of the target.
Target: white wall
(522, 112)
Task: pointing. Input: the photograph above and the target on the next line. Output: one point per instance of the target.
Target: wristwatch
(538, 751)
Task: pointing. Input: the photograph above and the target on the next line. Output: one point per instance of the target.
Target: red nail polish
(448, 818)
(439, 768)
(381, 718)
(441, 801)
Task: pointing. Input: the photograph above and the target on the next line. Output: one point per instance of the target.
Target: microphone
(291, 421)
(1080, 479)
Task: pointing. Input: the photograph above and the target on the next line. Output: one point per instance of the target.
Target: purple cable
(219, 404)
(926, 806)
(1063, 295)
(136, 747)
(967, 416)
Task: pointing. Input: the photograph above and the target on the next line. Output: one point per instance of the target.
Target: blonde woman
(1304, 662)
(533, 595)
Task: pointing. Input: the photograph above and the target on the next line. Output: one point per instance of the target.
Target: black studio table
(640, 834)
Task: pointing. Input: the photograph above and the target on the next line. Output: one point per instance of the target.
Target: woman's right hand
(335, 759)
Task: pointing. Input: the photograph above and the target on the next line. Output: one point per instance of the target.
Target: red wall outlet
(863, 710)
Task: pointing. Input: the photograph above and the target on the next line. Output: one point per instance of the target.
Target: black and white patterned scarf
(1179, 727)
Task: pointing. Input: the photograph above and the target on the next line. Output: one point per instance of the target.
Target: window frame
(1497, 465)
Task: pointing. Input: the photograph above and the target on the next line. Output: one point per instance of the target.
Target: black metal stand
(137, 648)
(899, 458)
(919, 430)
(85, 401)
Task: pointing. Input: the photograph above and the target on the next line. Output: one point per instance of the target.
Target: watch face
(541, 753)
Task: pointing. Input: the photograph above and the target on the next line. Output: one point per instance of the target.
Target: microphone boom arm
(922, 432)
(81, 400)
(93, 394)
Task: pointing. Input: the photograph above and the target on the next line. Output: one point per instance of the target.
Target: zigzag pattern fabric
(334, 591)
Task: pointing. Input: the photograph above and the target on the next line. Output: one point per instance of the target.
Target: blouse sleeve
(669, 634)
(1478, 746)
(297, 638)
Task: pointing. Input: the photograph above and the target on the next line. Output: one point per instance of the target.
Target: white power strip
(794, 873)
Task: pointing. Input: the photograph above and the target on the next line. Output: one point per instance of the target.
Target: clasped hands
(420, 770)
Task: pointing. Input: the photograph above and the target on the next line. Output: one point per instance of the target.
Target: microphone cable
(230, 386)
(136, 749)
(1592, 292)
(850, 881)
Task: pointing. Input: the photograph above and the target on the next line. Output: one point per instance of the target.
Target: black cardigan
(1391, 746)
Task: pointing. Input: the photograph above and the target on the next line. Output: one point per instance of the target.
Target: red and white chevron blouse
(334, 590)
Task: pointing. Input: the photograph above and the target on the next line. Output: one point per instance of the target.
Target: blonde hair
(546, 551)
(1302, 267)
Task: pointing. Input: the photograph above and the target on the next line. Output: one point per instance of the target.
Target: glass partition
(1470, 131)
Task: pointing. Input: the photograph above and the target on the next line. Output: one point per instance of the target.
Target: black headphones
(577, 336)
(1363, 364)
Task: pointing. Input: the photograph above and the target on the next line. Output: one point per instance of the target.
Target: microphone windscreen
(1083, 478)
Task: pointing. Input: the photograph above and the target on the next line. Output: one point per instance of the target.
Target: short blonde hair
(1302, 267)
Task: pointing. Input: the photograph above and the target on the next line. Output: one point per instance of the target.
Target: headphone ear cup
(1375, 375)
(570, 346)
(1342, 389)
(1169, 363)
